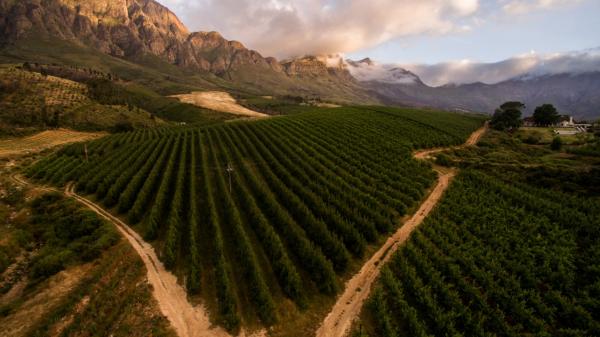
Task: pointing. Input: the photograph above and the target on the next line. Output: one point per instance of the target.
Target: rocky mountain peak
(129, 28)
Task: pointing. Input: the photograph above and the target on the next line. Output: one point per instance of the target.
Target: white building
(566, 122)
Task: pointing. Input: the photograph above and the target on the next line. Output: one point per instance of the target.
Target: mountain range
(141, 40)
(576, 94)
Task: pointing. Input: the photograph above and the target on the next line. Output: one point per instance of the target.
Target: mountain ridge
(572, 93)
(132, 29)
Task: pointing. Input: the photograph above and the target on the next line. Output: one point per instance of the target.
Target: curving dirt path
(349, 304)
(190, 321)
(473, 140)
(187, 320)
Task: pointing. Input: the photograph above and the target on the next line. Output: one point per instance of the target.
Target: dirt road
(187, 320)
(218, 101)
(349, 304)
(190, 321)
(473, 139)
(44, 140)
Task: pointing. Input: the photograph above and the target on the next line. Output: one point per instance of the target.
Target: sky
(428, 36)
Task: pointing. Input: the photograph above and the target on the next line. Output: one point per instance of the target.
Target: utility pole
(86, 152)
(230, 170)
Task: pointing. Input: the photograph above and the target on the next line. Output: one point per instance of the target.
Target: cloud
(367, 70)
(286, 28)
(525, 6)
(531, 64)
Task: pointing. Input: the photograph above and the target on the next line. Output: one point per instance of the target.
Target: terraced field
(261, 217)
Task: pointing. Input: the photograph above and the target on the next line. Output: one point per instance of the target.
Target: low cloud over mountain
(533, 64)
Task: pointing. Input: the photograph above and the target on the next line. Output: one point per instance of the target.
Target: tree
(556, 144)
(546, 115)
(508, 116)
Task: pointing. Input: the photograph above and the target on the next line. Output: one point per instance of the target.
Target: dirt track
(349, 304)
(187, 320)
(473, 139)
(218, 101)
(190, 321)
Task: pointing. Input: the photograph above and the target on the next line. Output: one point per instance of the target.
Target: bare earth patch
(44, 140)
(37, 307)
(218, 101)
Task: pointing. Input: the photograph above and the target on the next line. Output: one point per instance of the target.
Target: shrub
(533, 139)
(443, 160)
(557, 144)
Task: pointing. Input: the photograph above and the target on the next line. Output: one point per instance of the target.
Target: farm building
(529, 122)
(566, 122)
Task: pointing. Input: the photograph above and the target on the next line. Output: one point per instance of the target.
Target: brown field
(44, 140)
(218, 101)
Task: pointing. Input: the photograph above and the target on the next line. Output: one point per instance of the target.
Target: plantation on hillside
(305, 196)
(495, 259)
(29, 99)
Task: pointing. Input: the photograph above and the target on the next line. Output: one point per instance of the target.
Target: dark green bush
(68, 234)
(557, 144)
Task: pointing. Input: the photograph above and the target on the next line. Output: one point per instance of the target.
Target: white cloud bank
(286, 28)
(526, 6)
(532, 64)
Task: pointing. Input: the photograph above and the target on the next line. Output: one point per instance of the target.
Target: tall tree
(508, 116)
(546, 115)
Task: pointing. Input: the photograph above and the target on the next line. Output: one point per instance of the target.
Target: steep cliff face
(131, 29)
(126, 28)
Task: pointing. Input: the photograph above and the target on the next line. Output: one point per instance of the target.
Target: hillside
(30, 99)
(64, 271)
(572, 94)
(148, 35)
(143, 42)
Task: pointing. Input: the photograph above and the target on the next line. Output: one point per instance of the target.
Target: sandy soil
(43, 140)
(187, 320)
(218, 101)
(37, 307)
(348, 306)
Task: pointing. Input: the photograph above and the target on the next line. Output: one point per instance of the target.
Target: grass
(546, 135)
(575, 168)
(107, 296)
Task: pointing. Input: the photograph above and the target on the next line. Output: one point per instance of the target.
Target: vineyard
(495, 259)
(250, 213)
